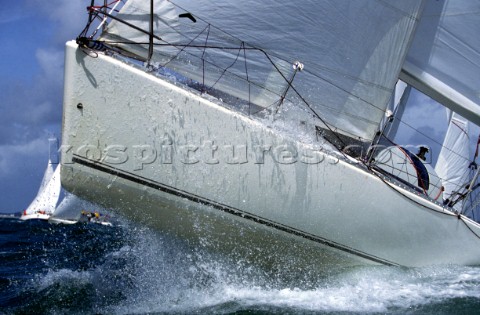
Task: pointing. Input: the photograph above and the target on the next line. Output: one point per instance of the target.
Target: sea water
(129, 269)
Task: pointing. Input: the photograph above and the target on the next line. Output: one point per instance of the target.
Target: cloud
(51, 63)
(29, 110)
(10, 153)
(68, 16)
(31, 104)
(21, 169)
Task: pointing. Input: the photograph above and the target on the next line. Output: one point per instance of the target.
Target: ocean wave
(131, 269)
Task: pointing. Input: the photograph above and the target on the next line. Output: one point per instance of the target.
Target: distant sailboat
(67, 211)
(44, 204)
(72, 210)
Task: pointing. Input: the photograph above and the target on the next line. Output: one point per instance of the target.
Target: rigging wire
(323, 79)
(431, 139)
(278, 70)
(357, 79)
(397, 190)
(271, 61)
(284, 58)
(459, 195)
(282, 75)
(243, 46)
(203, 57)
(346, 75)
(307, 71)
(248, 80)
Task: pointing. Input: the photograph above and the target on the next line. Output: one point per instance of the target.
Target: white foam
(159, 274)
(362, 289)
(63, 276)
(377, 289)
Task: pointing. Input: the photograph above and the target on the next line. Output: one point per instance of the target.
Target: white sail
(47, 199)
(397, 106)
(453, 162)
(471, 203)
(444, 59)
(349, 91)
(70, 208)
(46, 177)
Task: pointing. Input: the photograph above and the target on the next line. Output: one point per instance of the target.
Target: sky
(425, 123)
(33, 34)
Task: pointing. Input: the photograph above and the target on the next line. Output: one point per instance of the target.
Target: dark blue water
(127, 269)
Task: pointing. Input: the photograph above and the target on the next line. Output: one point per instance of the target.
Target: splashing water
(126, 269)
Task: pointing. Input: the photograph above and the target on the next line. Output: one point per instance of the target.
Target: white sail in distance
(46, 200)
(46, 177)
(70, 208)
(349, 91)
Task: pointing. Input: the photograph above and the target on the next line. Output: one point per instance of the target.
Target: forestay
(352, 50)
(444, 60)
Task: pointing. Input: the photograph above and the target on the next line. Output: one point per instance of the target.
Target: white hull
(326, 212)
(35, 216)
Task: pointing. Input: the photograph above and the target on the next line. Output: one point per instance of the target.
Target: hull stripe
(183, 194)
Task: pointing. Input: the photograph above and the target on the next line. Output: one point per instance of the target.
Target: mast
(104, 25)
(443, 61)
(150, 36)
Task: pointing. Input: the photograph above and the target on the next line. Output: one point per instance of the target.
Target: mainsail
(444, 59)
(350, 92)
(47, 198)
